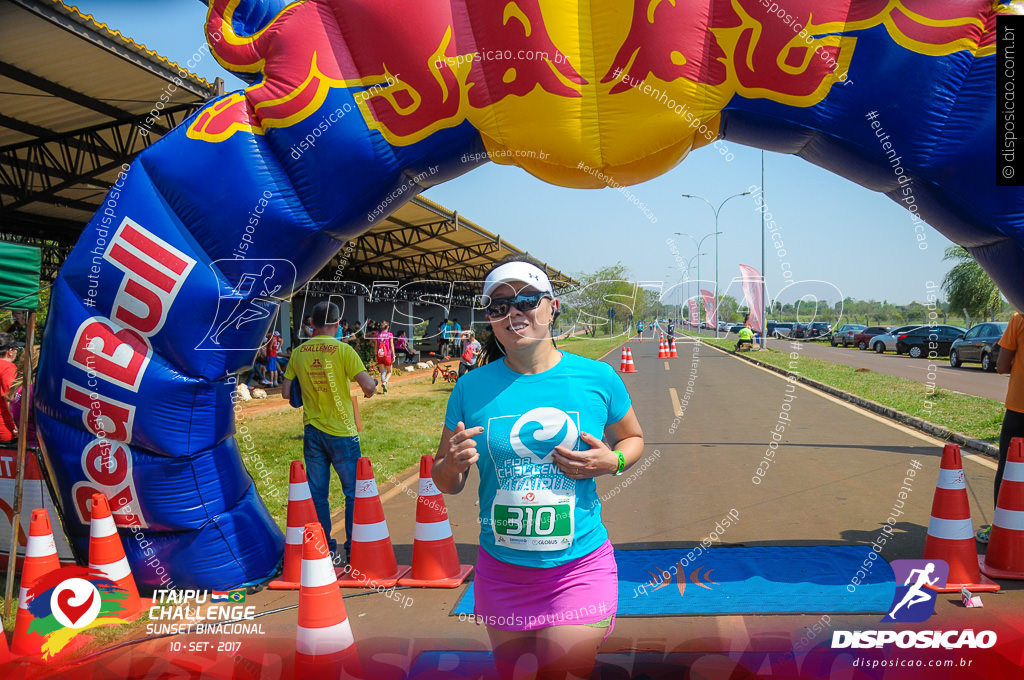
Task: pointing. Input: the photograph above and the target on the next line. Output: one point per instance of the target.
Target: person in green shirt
(323, 367)
(746, 335)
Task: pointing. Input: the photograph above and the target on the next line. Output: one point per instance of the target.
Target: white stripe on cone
(299, 491)
(1013, 472)
(23, 598)
(950, 529)
(365, 533)
(366, 488)
(101, 527)
(318, 572)
(951, 479)
(40, 546)
(427, 488)
(322, 641)
(433, 531)
(114, 571)
(1009, 519)
(293, 535)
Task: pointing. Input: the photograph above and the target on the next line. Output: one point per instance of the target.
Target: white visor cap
(518, 272)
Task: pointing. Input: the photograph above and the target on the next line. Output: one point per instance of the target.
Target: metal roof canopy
(424, 241)
(73, 94)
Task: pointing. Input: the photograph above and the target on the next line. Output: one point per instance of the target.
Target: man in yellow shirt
(1011, 360)
(324, 368)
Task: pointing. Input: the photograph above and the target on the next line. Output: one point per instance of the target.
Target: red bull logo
(117, 352)
(516, 68)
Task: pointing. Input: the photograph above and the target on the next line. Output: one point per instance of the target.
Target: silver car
(886, 342)
(844, 334)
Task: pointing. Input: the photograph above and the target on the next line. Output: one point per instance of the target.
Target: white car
(886, 342)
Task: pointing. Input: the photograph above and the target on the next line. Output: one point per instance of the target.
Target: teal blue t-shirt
(531, 514)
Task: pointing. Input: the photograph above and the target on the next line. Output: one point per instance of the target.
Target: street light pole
(699, 244)
(716, 233)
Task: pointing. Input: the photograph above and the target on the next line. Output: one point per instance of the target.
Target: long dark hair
(492, 349)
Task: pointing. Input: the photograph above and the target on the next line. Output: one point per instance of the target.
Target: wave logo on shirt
(537, 432)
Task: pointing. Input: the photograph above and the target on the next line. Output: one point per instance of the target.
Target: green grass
(592, 348)
(974, 416)
(397, 430)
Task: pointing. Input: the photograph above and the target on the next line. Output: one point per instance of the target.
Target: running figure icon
(246, 309)
(916, 595)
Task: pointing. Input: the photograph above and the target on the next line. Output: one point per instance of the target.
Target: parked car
(979, 345)
(924, 340)
(783, 330)
(862, 339)
(800, 330)
(819, 329)
(735, 328)
(886, 342)
(844, 334)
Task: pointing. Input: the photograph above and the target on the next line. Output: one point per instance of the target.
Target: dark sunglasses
(500, 307)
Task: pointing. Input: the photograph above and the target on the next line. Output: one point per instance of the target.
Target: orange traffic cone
(301, 512)
(324, 645)
(373, 562)
(435, 563)
(950, 532)
(672, 349)
(40, 560)
(107, 555)
(627, 361)
(622, 361)
(5, 653)
(662, 348)
(1005, 555)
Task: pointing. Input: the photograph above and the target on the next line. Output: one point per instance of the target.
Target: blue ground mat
(762, 580)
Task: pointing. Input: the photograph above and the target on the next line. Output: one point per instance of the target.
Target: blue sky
(857, 241)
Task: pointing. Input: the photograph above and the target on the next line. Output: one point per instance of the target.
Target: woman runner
(385, 354)
(531, 419)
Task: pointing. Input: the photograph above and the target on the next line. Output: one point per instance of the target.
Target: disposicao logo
(914, 601)
(70, 600)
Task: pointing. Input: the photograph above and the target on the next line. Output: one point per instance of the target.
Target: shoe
(264, 382)
(983, 533)
(384, 387)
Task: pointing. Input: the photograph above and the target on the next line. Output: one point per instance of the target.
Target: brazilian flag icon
(236, 595)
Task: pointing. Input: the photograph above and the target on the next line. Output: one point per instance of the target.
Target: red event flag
(753, 293)
(710, 313)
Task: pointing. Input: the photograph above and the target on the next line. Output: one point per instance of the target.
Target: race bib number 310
(537, 520)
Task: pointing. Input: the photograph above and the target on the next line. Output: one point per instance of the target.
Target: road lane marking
(980, 460)
(666, 366)
(674, 396)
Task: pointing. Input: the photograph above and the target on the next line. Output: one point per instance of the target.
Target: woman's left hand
(593, 462)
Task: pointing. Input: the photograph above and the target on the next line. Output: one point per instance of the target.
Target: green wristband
(622, 463)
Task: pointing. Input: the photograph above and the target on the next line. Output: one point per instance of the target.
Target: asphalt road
(833, 481)
(969, 378)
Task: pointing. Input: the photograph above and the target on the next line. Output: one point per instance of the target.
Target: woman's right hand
(462, 451)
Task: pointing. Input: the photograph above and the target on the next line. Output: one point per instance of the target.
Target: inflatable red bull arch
(355, 106)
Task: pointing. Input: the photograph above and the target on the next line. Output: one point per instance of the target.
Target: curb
(938, 431)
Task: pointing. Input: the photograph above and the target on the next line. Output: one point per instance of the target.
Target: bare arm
(455, 455)
(286, 389)
(366, 383)
(1005, 360)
